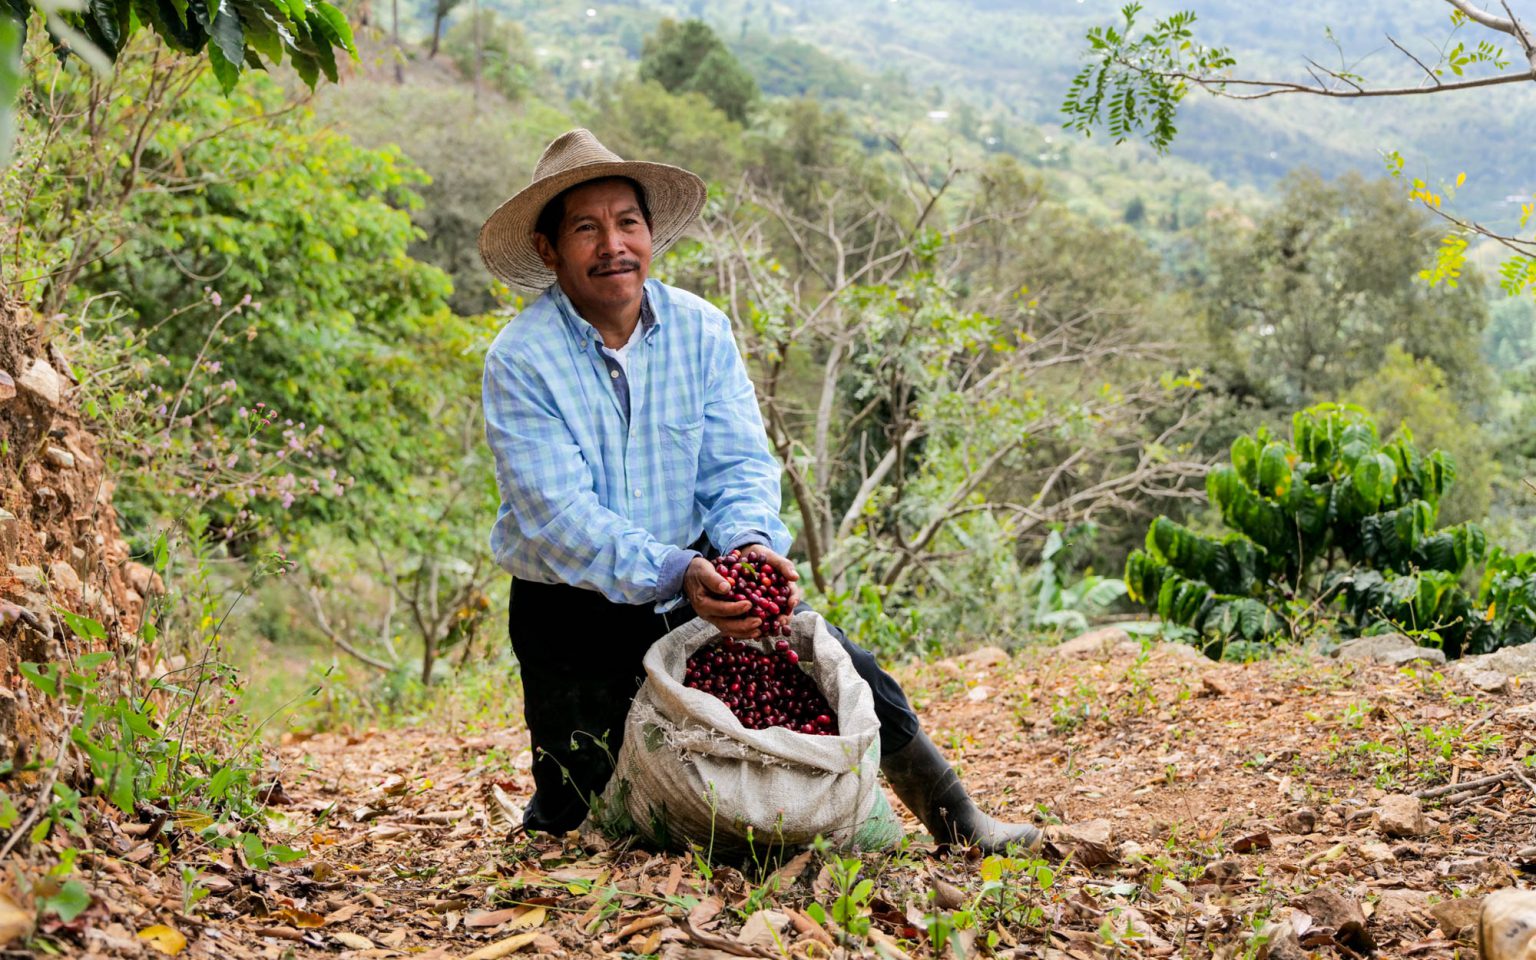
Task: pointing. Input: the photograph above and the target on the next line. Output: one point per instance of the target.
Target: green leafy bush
(1334, 529)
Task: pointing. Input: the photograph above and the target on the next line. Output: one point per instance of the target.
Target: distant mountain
(1015, 58)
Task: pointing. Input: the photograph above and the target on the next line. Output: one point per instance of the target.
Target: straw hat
(673, 195)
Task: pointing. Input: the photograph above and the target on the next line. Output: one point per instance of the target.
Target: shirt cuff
(669, 581)
(750, 536)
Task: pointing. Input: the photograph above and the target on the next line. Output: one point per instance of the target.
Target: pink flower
(215, 299)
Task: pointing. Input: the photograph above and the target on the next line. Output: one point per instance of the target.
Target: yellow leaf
(168, 940)
(15, 923)
(533, 918)
(502, 948)
(192, 819)
(1461, 178)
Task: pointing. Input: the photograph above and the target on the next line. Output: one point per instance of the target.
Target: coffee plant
(1334, 527)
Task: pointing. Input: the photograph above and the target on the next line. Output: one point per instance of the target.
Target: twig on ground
(1449, 788)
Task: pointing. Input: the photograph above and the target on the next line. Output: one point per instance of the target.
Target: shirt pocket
(680, 446)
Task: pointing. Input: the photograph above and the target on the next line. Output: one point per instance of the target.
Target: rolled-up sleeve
(738, 479)
(548, 501)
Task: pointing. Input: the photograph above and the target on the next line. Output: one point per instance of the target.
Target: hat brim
(673, 195)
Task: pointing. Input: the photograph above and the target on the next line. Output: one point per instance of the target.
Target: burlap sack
(690, 772)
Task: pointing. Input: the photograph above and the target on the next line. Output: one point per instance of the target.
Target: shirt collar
(586, 334)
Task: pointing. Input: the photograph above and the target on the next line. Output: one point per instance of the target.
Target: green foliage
(270, 268)
(688, 56)
(505, 61)
(1136, 84)
(1333, 521)
(253, 34)
(171, 741)
(1302, 301)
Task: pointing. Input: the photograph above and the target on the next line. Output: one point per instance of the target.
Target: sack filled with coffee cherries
(734, 745)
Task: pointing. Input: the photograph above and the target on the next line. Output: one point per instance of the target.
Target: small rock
(978, 693)
(1507, 925)
(1396, 906)
(64, 577)
(1094, 643)
(983, 657)
(1301, 820)
(1401, 815)
(43, 382)
(1215, 687)
(1377, 852)
(7, 386)
(1329, 908)
(30, 577)
(1489, 681)
(1456, 915)
(1372, 648)
(1516, 661)
(1399, 658)
(59, 457)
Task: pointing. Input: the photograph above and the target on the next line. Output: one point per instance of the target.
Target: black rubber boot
(931, 789)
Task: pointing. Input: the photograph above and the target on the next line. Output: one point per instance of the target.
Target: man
(628, 443)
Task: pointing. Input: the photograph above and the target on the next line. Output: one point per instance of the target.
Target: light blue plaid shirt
(595, 499)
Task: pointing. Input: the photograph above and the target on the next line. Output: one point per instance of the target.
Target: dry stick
(1468, 786)
(1476, 793)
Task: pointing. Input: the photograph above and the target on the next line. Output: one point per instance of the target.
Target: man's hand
(706, 591)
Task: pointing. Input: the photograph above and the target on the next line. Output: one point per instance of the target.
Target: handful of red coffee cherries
(752, 577)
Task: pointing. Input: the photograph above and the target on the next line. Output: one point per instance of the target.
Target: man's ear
(545, 250)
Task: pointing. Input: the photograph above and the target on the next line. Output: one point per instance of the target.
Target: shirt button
(637, 491)
(614, 374)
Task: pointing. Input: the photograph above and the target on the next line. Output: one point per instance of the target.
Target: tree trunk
(394, 31)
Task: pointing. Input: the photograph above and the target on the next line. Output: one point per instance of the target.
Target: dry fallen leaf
(167, 940)
(502, 948)
(15, 922)
(344, 913)
(302, 919)
(352, 941)
(521, 918)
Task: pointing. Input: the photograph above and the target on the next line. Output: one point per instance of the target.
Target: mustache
(614, 267)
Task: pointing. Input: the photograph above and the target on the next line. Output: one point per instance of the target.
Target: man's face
(604, 251)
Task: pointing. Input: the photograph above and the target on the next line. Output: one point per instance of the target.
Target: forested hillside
(1228, 403)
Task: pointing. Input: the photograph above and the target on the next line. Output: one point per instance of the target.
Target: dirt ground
(1286, 808)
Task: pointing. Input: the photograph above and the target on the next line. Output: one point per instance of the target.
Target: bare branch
(1485, 18)
(324, 623)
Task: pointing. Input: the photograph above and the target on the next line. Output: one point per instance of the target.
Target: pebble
(43, 382)
(59, 457)
(1401, 815)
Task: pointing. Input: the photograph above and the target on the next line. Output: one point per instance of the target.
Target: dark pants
(577, 690)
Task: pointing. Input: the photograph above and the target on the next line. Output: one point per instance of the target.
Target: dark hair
(553, 213)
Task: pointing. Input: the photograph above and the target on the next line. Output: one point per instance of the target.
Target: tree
(1134, 85)
(925, 438)
(440, 10)
(234, 37)
(689, 56)
(492, 48)
(1301, 304)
